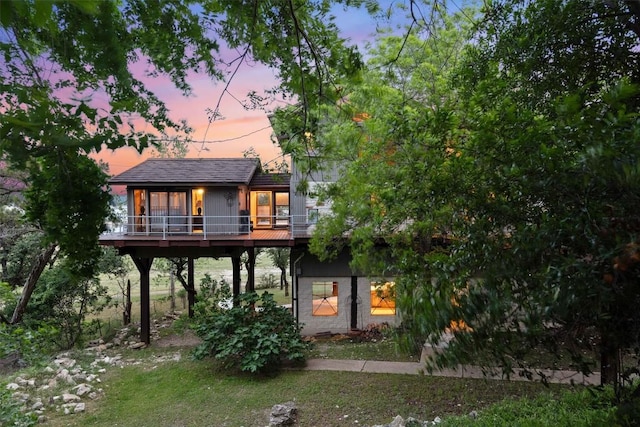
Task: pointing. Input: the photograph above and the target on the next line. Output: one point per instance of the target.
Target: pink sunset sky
(240, 129)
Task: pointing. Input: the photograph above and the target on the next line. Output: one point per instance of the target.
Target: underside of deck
(194, 245)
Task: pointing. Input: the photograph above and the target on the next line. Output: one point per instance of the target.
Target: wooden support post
(191, 294)
(251, 280)
(236, 263)
(354, 302)
(144, 266)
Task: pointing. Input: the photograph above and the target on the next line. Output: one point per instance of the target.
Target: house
(227, 207)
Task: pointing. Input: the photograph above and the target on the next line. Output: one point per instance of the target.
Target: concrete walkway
(417, 368)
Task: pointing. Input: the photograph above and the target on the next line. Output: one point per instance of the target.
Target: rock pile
(398, 421)
(64, 386)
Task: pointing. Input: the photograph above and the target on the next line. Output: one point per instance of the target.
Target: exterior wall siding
(220, 217)
(299, 201)
(340, 323)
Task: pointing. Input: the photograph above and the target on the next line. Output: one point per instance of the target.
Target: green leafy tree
(521, 159)
(547, 183)
(117, 267)
(65, 299)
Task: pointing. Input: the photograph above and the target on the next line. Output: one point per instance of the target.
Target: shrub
(213, 296)
(30, 345)
(253, 340)
(11, 413)
(267, 281)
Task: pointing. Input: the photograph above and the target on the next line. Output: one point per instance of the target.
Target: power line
(213, 141)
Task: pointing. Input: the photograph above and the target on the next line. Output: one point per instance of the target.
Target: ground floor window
(325, 298)
(383, 298)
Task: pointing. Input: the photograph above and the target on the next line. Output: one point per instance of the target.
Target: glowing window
(383, 298)
(325, 298)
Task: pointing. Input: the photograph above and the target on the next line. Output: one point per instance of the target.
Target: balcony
(236, 227)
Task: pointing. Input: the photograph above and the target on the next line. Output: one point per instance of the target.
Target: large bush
(255, 335)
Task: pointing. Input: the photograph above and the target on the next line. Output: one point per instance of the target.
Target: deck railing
(210, 227)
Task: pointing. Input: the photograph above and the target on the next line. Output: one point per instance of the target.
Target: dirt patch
(185, 339)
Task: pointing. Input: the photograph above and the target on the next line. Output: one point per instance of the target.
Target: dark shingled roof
(271, 180)
(189, 171)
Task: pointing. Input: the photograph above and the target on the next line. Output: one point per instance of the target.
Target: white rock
(21, 397)
(12, 386)
(82, 389)
(68, 397)
(65, 362)
(79, 408)
(81, 376)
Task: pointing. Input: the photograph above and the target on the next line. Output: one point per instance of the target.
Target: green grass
(384, 349)
(189, 393)
(579, 409)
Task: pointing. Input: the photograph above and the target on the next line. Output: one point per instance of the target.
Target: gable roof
(189, 172)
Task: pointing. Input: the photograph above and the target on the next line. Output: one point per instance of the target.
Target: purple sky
(240, 128)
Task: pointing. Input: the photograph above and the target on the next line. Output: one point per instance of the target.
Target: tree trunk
(30, 284)
(609, 363)
(188, 284)
(284, 282)
(126, 314)
(172, 290)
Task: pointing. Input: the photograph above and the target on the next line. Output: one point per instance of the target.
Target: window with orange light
(383, 298)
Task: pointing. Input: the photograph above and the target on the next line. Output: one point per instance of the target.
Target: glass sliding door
(282, 209)
(263, 209)
(197, 209)
(168, 211)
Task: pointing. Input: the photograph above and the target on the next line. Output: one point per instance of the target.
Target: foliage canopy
(501, 168)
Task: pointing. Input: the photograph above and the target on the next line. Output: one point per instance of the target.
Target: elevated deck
(199, 245)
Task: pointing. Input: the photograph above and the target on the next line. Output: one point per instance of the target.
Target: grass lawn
(383, 349)
(189, 393)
